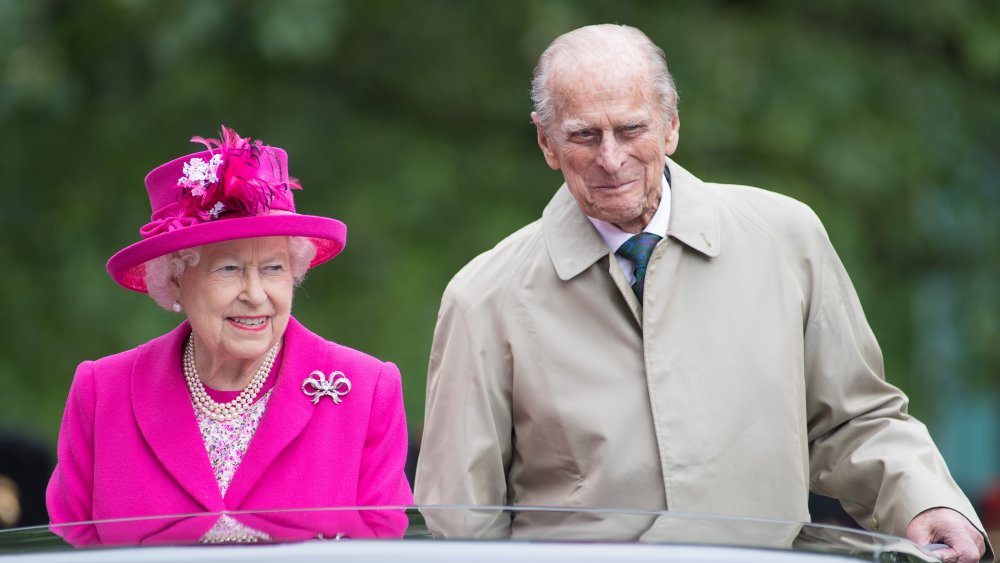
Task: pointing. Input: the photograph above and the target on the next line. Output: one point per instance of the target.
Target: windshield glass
(465, 523)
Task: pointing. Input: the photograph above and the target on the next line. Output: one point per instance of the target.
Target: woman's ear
(175, 288)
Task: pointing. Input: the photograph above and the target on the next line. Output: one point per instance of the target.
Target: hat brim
(128, 266)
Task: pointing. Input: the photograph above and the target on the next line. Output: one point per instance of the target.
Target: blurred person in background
(662, 343)
(240, 407)
(25, 464)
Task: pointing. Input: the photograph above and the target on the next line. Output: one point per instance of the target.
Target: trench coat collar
(693, 219)
(163, 411)
(574, 244)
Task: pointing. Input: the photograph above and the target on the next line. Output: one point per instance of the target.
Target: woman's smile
(252, 324)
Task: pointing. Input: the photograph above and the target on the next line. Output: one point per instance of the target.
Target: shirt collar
(574, 244)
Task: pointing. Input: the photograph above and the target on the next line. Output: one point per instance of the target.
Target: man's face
(610, 140)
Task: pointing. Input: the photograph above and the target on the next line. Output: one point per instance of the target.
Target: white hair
(607, 38)
(162, 271)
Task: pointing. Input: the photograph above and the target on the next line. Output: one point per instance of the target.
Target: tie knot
(639, 248)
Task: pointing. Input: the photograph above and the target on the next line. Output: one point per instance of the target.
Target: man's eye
(585, 135)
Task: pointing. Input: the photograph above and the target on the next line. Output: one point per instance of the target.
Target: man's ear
(673, 135)
(545, 143)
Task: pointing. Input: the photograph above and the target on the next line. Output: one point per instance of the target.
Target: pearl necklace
(223, 412)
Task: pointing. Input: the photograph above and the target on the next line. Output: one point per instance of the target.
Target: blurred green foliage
(409, 122)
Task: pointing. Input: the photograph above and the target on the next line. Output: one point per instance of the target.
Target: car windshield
(592, 530)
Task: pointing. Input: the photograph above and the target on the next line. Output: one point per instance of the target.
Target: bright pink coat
(129, 444)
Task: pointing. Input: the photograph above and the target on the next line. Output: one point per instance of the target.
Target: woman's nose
(253, 289)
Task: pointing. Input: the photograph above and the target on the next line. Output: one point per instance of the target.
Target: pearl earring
(176, 306)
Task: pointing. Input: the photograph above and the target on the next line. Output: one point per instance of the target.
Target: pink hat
(238, 188)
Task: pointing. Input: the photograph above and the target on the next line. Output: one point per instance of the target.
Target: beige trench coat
(747, 377)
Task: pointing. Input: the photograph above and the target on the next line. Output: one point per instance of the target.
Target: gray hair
(160, 272)
(605, 35)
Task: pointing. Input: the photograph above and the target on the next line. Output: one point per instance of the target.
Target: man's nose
(612, 155)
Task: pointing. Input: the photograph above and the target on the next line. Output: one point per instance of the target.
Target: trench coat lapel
(166, 418)
(573, 243)
(288, 411)
(692, 216)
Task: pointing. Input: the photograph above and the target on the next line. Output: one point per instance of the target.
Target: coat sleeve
(467, 439)
(382, 481)
(69, 497)
(865, 449)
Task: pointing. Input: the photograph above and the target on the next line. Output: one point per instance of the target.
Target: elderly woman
(240, 407)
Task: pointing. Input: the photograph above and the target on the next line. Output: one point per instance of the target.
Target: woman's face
(238, 298)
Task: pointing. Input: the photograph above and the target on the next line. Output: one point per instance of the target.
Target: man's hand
(944, 525)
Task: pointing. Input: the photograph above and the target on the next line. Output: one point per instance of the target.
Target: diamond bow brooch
(335, 386)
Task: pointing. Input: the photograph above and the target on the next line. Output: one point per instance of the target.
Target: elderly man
(658, 342)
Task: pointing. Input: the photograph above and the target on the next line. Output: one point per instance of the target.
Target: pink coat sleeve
(382, 481)
(69, 497)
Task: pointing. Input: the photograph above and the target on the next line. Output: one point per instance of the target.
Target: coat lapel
(573, 243)
(288, 411)
(163, 411)
(692, 218)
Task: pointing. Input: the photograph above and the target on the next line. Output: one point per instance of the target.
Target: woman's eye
(274, 268)
(229, 268)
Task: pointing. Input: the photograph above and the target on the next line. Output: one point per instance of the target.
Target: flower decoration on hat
(243, 176)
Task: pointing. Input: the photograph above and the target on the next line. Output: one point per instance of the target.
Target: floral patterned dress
(226, 443)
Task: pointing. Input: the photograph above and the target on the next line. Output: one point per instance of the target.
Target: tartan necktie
(638, 249)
